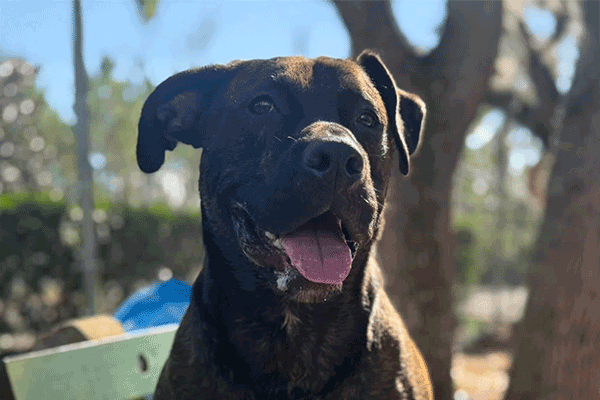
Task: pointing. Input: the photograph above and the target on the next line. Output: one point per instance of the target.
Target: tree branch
(540, 75)
(529, 116)
(459, 46)
(456, 73)
(538, 117)
(587, 75)
(562, 20)
(591, 12)
(371, 24)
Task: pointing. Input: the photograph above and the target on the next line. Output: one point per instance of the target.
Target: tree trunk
(417, 248)
(558, 340)
(89, 263)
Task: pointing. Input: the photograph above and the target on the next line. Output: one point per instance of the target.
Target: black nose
(322, 158)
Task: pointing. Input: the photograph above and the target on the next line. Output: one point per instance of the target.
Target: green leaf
(147, 8)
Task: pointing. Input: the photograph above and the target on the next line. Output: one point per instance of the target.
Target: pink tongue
(318, 250)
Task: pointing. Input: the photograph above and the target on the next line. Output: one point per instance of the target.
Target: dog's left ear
(406, 111)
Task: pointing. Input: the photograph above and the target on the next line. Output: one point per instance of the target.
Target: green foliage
(8, 202)
(39, 241)
(38, 150)
(147, 8)
(466, 271)
(36, 147)
(115, 108)
(476, 206)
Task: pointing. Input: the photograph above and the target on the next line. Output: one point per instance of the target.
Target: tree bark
(417, 247)
(558, 340)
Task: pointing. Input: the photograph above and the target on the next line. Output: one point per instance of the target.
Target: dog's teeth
(270, 235)
(277, 243)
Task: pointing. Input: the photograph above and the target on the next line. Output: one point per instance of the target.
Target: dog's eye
(262, 105)
(368, 119)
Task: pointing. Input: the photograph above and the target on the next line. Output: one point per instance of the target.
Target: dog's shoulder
(191, 370)
(393, 363)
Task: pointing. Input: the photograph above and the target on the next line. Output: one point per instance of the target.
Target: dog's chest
(296, 361)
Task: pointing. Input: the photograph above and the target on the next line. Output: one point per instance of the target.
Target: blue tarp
(157, 304)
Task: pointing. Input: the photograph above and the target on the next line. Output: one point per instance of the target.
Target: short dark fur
(287, 140)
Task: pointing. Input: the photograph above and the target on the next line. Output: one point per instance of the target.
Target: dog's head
(296, 159)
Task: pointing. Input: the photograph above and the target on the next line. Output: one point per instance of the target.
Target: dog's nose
(323, 157)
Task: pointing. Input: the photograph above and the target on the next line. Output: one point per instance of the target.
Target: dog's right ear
(173, 111)
(406, 111)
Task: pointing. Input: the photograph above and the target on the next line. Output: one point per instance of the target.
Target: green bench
(125, 366)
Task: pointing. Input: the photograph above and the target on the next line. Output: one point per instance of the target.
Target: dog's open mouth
(321, 249)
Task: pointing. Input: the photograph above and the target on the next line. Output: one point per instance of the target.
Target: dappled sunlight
(481, 377)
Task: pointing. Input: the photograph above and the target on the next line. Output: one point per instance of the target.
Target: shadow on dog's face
(296, 158)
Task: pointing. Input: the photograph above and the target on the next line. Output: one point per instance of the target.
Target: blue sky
(40, 31)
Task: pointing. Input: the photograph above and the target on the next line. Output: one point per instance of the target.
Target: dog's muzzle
(321, 249)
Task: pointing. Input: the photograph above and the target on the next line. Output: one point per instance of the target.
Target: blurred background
(81, 227)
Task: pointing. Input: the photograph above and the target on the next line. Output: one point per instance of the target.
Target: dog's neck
(237, 302)
(279, 340)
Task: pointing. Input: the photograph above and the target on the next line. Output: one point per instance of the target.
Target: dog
(297, 154)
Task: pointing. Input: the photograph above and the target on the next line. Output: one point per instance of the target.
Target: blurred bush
(40, 282)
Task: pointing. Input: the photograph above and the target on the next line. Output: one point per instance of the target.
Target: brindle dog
(296, 159)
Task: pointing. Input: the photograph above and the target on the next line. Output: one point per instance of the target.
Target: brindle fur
(243, 336)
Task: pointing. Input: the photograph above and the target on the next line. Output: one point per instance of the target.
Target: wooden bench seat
(118, 367)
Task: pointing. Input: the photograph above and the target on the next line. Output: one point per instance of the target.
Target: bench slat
(98, 369)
